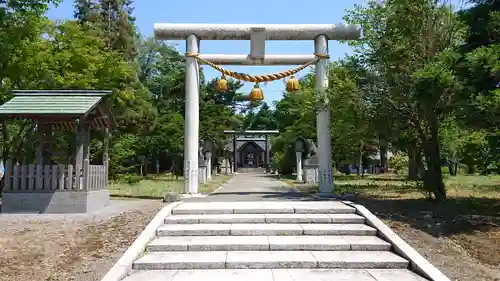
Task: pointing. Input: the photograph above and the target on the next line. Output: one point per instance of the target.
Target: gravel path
(80, 247)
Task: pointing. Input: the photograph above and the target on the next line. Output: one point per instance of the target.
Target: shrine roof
(61, 102)
(52, 104)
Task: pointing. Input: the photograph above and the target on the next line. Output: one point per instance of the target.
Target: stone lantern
(300, 145)
(208, 147)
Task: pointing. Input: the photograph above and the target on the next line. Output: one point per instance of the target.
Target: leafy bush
(131, 178)
(277, 160)
(398, 163)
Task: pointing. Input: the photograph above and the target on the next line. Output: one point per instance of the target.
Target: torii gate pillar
(192, 117)
(257, 34)
(323, 124)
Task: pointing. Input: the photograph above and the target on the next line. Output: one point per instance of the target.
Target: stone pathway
(252, 187)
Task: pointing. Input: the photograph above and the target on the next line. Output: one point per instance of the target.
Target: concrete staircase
(268, 241)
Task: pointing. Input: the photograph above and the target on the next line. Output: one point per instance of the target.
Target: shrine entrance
(249, 148)
(251, 156)
(257, 34)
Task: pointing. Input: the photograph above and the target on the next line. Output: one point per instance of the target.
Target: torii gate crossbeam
(257, 34)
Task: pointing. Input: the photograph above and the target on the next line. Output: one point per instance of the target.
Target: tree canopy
(423, 82)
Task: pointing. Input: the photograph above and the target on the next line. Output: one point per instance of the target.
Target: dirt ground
(444, 253)
(70, 249)
(461, 256)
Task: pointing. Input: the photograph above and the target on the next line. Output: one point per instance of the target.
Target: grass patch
(470, 217)
(157, 186)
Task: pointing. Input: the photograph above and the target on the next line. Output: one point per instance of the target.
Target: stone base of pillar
(311, 173)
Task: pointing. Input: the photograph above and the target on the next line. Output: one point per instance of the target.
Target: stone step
(269, 259)
(265, 218)
(264, 229)
(322, 207)
(276, 275)
(266, 243)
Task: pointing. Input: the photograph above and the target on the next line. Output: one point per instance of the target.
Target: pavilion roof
(60, 106)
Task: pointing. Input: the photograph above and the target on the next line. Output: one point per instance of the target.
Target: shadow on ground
(257, 196)
(455, 216)
(473, 223)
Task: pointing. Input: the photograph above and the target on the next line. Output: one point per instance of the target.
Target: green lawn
(158, 186)
(470, 217)
(393, 186)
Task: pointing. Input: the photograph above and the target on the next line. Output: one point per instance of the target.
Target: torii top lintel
(180, 31)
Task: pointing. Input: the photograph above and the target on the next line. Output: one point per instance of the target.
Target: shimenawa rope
(259, 78)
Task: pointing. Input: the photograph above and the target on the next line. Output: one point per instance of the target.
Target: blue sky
(148, 12)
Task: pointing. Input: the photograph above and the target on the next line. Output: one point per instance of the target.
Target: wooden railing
(55, 177)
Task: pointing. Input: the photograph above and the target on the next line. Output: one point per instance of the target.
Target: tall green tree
(408, 43)
(20, 23)
(115, 21)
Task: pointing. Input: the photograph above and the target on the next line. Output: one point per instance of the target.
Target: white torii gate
(257, 34)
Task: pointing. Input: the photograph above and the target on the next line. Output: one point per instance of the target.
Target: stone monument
(311, 163)
(202, 165)
(208, 148)
(299, 150)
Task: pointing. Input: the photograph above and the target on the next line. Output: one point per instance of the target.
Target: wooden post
(234, 165)
(69, 178)
(86, 142)
(86, 157)
(8, 174)
(15, 177)
(62, 171)
(47, 144)
(4, 141)
(105, 156)
(39, 145)
(39, 178)
(80, 136)
(31, 178)
(266, 156)
(46, 177)
(55, 177)
(86, 175)
(24, 176)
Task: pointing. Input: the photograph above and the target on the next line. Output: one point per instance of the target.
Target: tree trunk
(471, 169)
(450, 169)
(453, 167)
(433, 177)
(414, 161)
(360, 160)
(383, 148)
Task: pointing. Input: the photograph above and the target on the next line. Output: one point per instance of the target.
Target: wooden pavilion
(44, 186)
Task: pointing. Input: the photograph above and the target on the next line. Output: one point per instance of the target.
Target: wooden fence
(55, 177)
